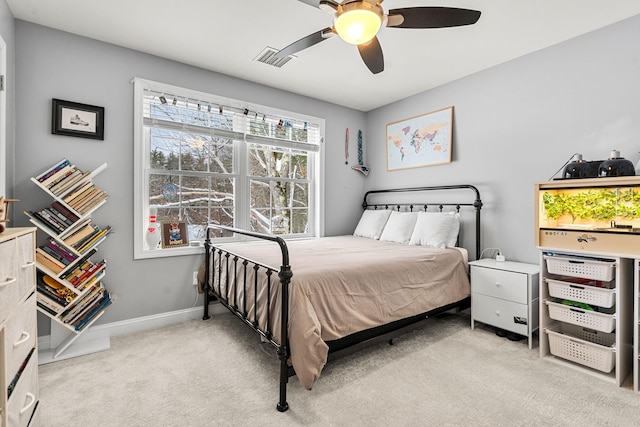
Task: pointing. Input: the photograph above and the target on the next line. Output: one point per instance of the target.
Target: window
(205, 159)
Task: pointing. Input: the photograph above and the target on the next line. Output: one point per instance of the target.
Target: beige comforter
(345, 284)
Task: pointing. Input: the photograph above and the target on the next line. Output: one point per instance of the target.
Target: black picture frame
(75, 119)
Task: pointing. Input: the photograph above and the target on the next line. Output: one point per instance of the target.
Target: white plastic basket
(582, 293)
(589, 348)
(580, 267)
(585, 318)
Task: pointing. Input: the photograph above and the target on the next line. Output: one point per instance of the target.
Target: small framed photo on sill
(74, 119)
(174, 234)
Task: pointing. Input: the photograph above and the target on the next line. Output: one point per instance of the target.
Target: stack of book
(86, 236)
(84, 272)
(54, 256)
(86, 308)
(56, 217)
(85, 198)
(52, 296)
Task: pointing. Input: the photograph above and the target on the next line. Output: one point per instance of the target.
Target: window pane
(259, 161)
(260, 194)
(279, 207)
(261, 220)
(299, 221)
(300, 195)
(277, 162)
(221, 155)
(299, 165)
(164, 149)
(174, 150)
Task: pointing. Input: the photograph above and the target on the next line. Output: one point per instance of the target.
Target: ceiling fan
(358, 21)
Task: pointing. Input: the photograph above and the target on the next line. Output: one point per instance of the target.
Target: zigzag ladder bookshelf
(69, 283)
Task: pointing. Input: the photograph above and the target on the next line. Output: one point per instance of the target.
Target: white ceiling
(226, 35)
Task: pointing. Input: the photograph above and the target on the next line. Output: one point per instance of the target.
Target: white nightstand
(505, 295)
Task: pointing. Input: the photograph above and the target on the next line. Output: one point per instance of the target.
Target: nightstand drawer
(498, 312)
(502, 284)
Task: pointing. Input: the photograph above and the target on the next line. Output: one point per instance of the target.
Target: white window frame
(142, 166)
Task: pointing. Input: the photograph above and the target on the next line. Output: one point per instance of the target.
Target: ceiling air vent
(268, 56)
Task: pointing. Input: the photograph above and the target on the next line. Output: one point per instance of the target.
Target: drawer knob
(24, 337)
(32, 400)
(27, 265)
(498, 284)
(9, 281)
(497, 313)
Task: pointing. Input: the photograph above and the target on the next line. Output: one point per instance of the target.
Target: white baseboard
(102, 333)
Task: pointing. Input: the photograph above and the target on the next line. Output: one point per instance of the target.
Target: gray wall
(54, 64)
(7, 31)
(517, 123)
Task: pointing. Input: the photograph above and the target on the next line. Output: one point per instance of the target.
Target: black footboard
(228, 283)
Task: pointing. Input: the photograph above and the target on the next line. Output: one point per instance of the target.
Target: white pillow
(432, 229)
(453, 233)
(399, 227)
(371, 223)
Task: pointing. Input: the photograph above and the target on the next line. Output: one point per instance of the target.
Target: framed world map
(420, 141)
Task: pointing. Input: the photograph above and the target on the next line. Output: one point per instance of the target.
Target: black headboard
(453, 199)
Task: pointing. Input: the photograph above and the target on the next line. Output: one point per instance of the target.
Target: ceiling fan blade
(431, 17)
(305, 42)
(372, 56)
(314, 3)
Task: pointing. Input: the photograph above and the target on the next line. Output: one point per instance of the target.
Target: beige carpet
(216, 373)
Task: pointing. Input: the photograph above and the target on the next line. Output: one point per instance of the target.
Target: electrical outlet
(195, 278)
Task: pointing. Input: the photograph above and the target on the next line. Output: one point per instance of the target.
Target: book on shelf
(51, 301)
(83, 305)
(78, 264)
(55, 259)
(92, 240)
(58, 177)
(52, 170)
(91, 202)
(68, 182)
(86, 194)
(81, 232)
(98, 307)
(46, 308)
(59, 217)
(53, 290)
(47, 262)
(82, 275)
(77, 192)
(55, 255)
(53, 247)
(45, 222)
(62, 209)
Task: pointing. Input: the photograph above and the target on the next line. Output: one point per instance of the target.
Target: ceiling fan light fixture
(358, 22)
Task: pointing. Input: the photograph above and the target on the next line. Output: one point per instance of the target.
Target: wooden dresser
(18, 334)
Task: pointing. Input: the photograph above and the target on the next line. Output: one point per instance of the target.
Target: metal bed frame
(228, 260)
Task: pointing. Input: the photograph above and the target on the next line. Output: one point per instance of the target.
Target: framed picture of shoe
(74, 119)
